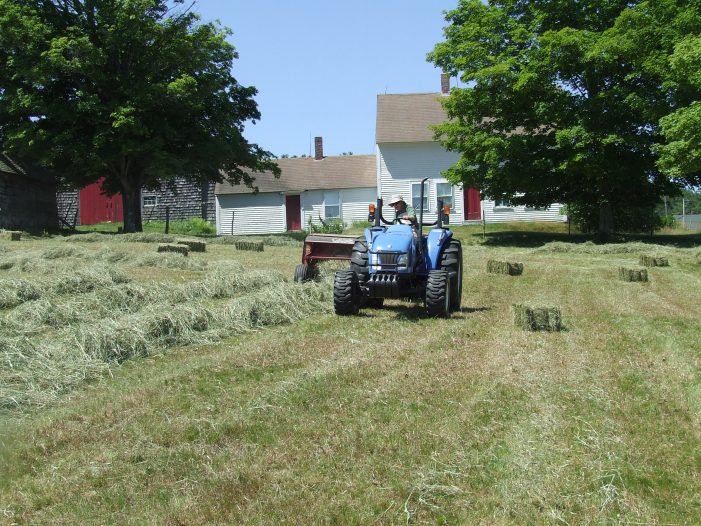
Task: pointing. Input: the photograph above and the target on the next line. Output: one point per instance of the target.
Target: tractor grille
(386, 260)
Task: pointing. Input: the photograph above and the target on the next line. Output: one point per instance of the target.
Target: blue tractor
(393, 260)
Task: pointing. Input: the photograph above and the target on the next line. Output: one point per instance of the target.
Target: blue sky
(319, 65)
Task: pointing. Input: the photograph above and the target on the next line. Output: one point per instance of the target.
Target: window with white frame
(150, 201)
(416, 196)
(444, 191)
(503, 203)
(332, 204)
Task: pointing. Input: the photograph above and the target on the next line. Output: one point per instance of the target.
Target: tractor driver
(405, 214)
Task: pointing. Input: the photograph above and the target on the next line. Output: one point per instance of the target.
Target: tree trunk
(131, 204)
(606, 225)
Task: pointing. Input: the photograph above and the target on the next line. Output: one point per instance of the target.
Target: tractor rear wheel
(438, 294)
(451, 261)
(346, 292)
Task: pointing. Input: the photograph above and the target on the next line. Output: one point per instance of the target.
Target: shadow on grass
(413, 312)
(538, 239)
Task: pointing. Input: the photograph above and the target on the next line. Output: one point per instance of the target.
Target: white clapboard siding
(353, 204)
(521, 213)
(401, 164)
(252, 214)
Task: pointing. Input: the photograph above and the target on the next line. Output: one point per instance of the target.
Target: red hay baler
(322, 247)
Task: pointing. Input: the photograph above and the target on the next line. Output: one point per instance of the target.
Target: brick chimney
(318, 149)
(445, 84)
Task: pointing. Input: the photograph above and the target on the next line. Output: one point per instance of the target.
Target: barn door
(293, 208)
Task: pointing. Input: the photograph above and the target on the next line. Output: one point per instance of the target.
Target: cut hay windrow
(63, 252)
(171, 261)
(504, 267)
(653, 261)
(14, 292)
(592, 248)
(35, 375)
(138, 237)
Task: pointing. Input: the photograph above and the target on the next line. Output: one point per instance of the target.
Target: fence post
(484, 226)
(167, 219)
(232, 222)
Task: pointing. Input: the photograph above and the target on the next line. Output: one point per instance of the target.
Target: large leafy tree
(563, 99)
(135, 91)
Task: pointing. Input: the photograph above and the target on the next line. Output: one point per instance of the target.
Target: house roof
(408, 117)
(306, 173)
(12, 166)
(7, 165)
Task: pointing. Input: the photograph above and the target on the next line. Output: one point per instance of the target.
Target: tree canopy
(580, 102)
(136, 91)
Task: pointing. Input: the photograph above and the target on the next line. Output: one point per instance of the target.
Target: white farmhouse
(407, 152)
(309, 188)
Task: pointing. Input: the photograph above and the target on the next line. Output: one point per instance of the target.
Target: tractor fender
(437, 239)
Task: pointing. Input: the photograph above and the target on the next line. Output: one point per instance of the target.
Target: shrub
(329, 226)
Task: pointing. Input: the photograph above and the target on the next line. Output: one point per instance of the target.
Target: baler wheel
(346, 292)
(303, 272)
(438, 294)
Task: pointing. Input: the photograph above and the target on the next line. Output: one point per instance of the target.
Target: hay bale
(628, 274)
(178, 249)
(537, 318)
(653, 261)
(254, 246)
(504, 267)
(193, 246)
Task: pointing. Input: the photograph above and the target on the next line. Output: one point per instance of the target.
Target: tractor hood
(397, 238)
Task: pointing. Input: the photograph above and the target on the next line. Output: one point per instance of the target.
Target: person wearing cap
(405, 214)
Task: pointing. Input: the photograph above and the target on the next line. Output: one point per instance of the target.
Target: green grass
(386, 417)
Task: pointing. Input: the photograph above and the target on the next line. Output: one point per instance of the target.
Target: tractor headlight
(402, 261)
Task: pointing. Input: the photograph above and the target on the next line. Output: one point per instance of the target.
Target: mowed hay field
(144, 388)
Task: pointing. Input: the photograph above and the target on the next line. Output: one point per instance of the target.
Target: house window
(332, 205)
(535, 208)
(503, 203)
(444, 191)
(150, 201)
(416, 196)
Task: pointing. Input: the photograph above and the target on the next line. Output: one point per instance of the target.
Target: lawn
(205, 390)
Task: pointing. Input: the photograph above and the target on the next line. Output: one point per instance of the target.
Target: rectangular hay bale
(653, 261)
(537, 318)
(629, 274)
(504, 267)
(254, 246)
(178, 249)
(193, 246)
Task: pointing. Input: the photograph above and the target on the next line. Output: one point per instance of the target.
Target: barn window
(332, 204)
(444, 191)
(150, 201)
(416, 196)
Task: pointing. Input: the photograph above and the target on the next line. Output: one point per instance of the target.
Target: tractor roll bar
(375, 213)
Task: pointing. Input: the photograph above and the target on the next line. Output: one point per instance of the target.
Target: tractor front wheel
(438, 294)
(346, 292)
